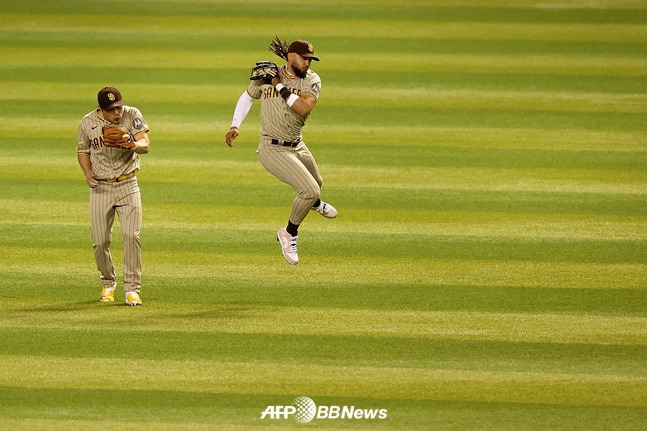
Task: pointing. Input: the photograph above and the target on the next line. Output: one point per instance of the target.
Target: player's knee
(311, 194)
(101, 244)
(130, 236)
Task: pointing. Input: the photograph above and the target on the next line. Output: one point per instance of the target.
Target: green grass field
(488, 268)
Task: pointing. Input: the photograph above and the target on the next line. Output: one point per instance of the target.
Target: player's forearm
(302, 105)
(142, 145)
(243, 106)
(85, 163)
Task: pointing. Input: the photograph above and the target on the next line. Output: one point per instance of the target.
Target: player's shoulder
(90, 116)
(134, 119)
(131, 110)
(312, 83)
(313, 77)
(90, 119)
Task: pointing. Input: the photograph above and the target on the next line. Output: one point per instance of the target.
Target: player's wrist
(283, 91)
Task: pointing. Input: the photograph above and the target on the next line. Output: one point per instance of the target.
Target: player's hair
(279, 47)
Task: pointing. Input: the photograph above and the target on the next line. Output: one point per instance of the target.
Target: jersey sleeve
(82, 140)
(313, 86)
(137, 124)
(254, 89)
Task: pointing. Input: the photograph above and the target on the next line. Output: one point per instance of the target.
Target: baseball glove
(278, 47)
(264, 71)
(118, 137)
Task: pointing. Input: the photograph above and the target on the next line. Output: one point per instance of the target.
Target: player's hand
(118, 137)
(231, 135)
(92, 183)
(264, 71)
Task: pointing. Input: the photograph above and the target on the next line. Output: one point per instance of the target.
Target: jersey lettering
(273, 92)
(96, 143)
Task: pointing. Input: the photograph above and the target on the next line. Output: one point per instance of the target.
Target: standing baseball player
(110, 140)
(287, 95)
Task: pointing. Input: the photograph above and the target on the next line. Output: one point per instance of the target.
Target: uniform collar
(98, 114)
(288, 74)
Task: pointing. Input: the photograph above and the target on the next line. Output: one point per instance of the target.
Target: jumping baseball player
(110, 140)
(287, 95)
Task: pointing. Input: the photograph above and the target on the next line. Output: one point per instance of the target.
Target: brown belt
(284, 143)
(120, 178)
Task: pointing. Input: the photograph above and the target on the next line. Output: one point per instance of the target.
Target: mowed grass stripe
(338, 96)
(423, 27)
(195, 418)
(405, 383)
(326, 269)
(220, 290)
(606, 11)
(439, 173)
(204, 136)
(71, 218)
(478, 103)
(390, 116)
(374, 244)
(344, 157)
(518, 64)
(470, 354)
(517, 327)
(377, 245)
(358, 197)
(379, 45)
(409, 79)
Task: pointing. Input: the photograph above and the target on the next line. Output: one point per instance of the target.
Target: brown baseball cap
(109, 97)
(303, 48)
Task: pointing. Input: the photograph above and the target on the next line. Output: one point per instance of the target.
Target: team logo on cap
(311, 48)
(111, 97)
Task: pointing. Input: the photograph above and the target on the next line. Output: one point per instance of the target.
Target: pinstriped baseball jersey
(277, 119)
(107, 162)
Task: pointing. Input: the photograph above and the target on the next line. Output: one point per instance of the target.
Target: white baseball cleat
(288, 246)
(326, 210)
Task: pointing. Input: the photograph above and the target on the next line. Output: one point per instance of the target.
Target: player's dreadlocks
(279, 48)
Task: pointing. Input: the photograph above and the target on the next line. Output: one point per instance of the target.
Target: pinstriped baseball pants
(123, 198)
(296, 167)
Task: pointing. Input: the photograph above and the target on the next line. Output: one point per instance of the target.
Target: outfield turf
(488, 268)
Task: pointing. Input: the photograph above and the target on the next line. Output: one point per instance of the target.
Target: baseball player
(110, 140)
(287, 95)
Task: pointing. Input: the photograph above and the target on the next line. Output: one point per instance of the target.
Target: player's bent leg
(287, 167)
(308, 160)
(303, 202)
